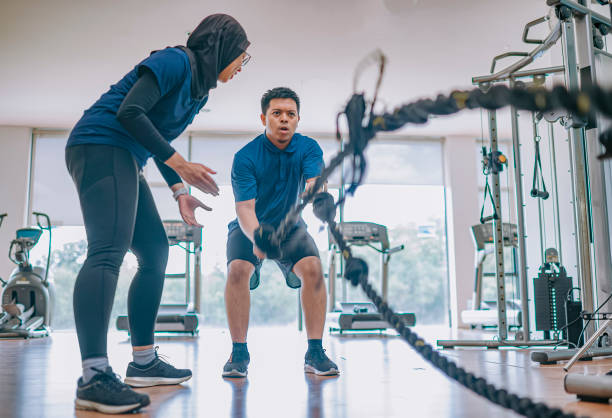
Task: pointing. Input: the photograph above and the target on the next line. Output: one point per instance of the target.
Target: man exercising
(268, 176)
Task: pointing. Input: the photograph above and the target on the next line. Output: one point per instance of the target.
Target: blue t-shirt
(171, 114)
(274, 178)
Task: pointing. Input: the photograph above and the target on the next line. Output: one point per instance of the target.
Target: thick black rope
(356, 272)
(521, 405)
(579, 104)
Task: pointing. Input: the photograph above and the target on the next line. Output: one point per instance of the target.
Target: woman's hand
(187, 206)
(198, 175)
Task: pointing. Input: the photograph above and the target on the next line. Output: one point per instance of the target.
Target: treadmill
(484, 313)
(361, 316)
(181, 317)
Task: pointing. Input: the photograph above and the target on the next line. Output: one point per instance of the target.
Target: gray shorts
(297, 245)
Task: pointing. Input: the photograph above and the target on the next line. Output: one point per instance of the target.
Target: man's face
(281, 120)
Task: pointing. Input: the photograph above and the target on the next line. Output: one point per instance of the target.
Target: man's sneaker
(106, 393)
(158, 372)
(317, 362)
(237, 365)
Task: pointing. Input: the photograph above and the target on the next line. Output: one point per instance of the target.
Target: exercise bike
(27, 297)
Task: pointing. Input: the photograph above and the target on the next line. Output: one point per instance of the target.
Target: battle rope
(356, 272)
(580, 104)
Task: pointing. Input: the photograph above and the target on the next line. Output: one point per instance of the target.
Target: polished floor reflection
(380, 377)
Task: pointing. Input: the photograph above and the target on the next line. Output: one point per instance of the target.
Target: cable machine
(579, 30)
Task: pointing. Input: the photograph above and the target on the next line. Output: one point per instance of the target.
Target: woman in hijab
(136, 119)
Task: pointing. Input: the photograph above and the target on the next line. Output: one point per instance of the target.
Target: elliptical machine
(27, 297)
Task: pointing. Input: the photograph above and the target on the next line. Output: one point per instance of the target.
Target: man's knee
(311, 272)
(239, 272)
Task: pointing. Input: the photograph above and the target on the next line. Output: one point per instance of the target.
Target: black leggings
(119, 214)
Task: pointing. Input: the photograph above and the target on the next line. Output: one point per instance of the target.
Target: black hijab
(217, 41)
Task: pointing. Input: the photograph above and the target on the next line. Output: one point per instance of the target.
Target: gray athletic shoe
(107, 394)
(317, 362)
(158, 372)
(237, 365)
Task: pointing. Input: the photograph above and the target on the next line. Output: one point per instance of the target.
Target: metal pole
(537, 182)
(553, 162)
(477, 295)
(587, 345)
(520, 220)
(519, 74)
(502, 323)
(332, 278)
(384, 266)
(600, 236)
(197, 278)
(579, 181)
(341, 219)
(188, 300)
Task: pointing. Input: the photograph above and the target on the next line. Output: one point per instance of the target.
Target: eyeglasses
(246, 59)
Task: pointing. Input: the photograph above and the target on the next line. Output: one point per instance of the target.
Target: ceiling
(59, 56)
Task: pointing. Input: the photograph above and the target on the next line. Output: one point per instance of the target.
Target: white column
(15, 143)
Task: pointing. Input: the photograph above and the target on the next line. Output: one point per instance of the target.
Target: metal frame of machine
(481, 314)
(575, 29)
(27, 297)
(361, 316)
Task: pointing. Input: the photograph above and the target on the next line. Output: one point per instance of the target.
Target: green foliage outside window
(417, 283)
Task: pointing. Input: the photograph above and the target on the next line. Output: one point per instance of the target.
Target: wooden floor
(381, 377)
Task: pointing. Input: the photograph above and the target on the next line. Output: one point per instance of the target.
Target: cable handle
(488, 193)
(535, 190)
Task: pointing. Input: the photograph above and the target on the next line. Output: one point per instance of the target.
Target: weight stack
(551, 290)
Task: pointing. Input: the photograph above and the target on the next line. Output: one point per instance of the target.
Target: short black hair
(278, 93)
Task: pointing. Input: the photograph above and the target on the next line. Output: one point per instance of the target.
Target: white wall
(15, 145)
(59, 56)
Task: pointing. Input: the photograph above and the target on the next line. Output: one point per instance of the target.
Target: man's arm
(244, 185)
(247, 219)
(312, 165)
